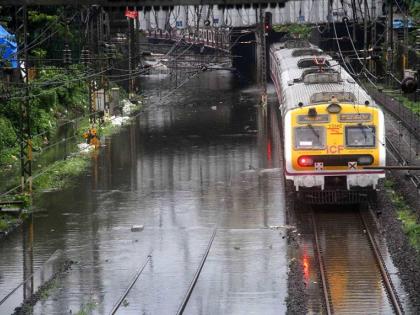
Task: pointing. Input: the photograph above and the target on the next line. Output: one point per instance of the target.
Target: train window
(310, 137)
(322, 77)
(321, 97)
(360, 136)
(312, 62)
(296, 44)
(306, 52)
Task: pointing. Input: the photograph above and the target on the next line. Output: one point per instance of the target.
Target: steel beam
(133, 3)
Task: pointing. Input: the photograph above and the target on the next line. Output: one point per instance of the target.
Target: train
(331, 128)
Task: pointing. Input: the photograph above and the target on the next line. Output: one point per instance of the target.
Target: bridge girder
(137, 3)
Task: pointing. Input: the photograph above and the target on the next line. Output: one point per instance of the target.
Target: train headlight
(334, 108)
(365, 160)
(305, 161)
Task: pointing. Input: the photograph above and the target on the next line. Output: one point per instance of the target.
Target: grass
(87, 308)
(413, 106)
(410, 226)
(7, 221)
(405, 214)
(48, 289)
(403, 99)
(61, 174)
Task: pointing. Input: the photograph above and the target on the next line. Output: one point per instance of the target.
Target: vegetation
(61, 173)
(8, 221)
(413, 106)
(55, 91)
(49, 103)
(414, 9)
(408, 218)
(87, 308)
(296, 30)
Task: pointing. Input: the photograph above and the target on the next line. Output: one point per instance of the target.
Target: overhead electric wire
(357, 54)
(199, 71)
(43, 40)
(59, 86)
(341, 54)
(46, 28)
(355, 76)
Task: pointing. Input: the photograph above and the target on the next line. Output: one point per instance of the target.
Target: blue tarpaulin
(8, 49)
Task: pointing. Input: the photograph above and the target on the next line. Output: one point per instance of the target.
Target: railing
(215, 38)
(408, 118)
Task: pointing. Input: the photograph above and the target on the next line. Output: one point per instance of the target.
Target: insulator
(85, 56)
(67, 55)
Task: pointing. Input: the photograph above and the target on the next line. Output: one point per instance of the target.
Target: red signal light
(305, 161)
(267, 22)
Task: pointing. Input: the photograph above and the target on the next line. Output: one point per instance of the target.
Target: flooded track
(199, 174)
(189, 164)
(353, 274)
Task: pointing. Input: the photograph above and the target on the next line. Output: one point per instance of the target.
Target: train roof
(300, 79)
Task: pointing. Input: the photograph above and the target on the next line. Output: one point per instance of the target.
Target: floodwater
(204, 158)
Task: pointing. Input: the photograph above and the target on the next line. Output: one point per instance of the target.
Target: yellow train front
(331, 127)
(327, 146)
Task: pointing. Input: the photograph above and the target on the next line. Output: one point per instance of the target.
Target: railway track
(118, 304)
(187, 296)
(354, 277)
(393, 150)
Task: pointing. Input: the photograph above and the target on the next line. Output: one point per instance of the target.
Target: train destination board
(355, 117)
(302, 119)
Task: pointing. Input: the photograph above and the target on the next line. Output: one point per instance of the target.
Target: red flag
(131, 14)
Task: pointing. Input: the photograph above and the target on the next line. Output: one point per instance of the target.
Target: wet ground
(191, 163)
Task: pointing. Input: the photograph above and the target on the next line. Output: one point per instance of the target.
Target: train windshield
(360, 136)
(310, 137)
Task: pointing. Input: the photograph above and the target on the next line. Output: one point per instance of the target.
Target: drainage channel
(353, 274)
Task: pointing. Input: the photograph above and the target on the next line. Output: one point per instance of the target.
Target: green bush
(297, 30)
(7, 134)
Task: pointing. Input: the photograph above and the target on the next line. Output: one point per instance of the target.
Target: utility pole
(136, 47)
(261, 47)
(365, 22)
(353, 8)
(25, 111)
(405, 55)
(389, 39)
(373, 35)
(130, 40)
(92, 14)
(391, 36)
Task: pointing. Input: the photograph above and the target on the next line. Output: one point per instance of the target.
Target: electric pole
(390, 39)
(405, 44)
(130, 40)
(261, 47)
(365, 22)
(373, 36)
(25, 111)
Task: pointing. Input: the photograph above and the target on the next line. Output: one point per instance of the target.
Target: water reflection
(355, 283)
(189, 162)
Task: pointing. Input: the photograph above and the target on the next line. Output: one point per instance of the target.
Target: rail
(132, 282)
(415, 179)
(321, 268)
(187, 296)
(382, 268)
(325, 260)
